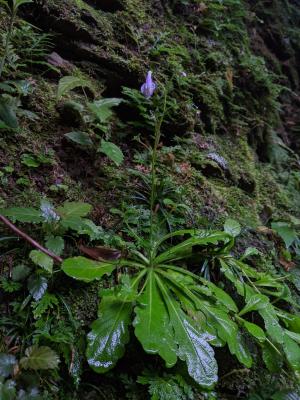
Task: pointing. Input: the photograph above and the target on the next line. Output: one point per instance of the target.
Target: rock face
(232, 69)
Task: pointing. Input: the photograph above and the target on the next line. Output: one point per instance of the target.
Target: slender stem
(7, 40)
(35, 244)
(157, 135)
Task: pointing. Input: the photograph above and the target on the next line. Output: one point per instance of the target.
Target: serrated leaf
(87, 227)
(55, 244)
(68, 83)
(72, 222)
(22, 214)
(39, 358)
(254, 303)
(255, 330)
(79, 137)
(102, 109)
(152, 325)
(45, 303)
(227, 331)
(293, 335)
(275, 331)
(112, 151)
(192, 345)
(184, 249)
(242, 352)
(42, 260)
(232, 227)
(37, 286)
(271, 357)
(7, 362)
(109, 334)
(85, 269)
(20, 272)
(73, 209)
(222, 297)
(250, 251)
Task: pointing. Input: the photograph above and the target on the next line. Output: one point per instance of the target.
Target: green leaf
(112, 151)
(85, 269)
(38, 358)
(276, 332)
(286, 395)
(256, 302)
(73, 209)
(250, 251)
(193, 347)
(87, 227)
(222, 297)
(18, 3)
(292, 352)
(23, 214)
(74, 223)
(184, 249)
(232, 227)
(79, 137)
(8, 107)
(152, 325)
(20, 272)
(241, 351)
(293, 335)
(30, 160)
(102, 109)
(42, 260)
(8, 390)
(227, 331)
(37, 286)
(48, 301)
(7, 362)
(285, 231)
(55, 244)
(109, 334)
(68, 83)
(272, 358)
(255, 330)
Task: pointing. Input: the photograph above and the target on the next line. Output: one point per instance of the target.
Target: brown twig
(24, 236)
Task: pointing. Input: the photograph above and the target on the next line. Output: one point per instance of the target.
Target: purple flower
(147, 89)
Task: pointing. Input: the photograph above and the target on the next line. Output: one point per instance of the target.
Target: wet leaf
(85, 269)
(37, 286)
(192, 345)
(255, 330)
(109, 334)
(152, 325)
(7, 362)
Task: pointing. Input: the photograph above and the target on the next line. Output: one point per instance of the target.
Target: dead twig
(24, 236)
